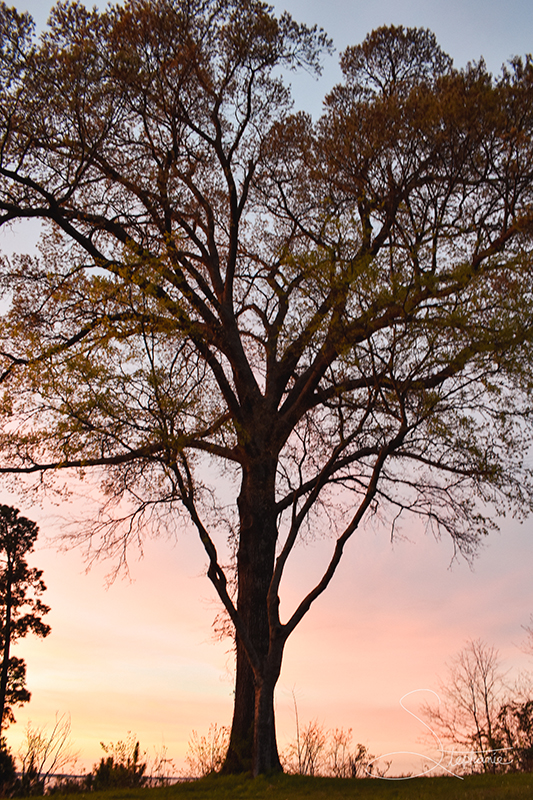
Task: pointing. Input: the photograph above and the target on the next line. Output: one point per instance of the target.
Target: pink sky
(140, 656)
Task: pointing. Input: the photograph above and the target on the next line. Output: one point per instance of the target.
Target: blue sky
(140, 655)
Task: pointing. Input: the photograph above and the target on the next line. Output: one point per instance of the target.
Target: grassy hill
(295, 787)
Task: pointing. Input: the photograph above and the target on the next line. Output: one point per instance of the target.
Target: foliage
(206, 754)
(8, 770)
(16, 692)
(121, 768)
(21, 608)
(44, 752)
(337, 316)
(329, 753)
(515, 731)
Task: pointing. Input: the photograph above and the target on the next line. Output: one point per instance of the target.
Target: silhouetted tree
(338, 315)
(515, 734)
(21, 609)
(473, 694)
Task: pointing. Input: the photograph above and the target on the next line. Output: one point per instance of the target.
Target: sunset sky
(141, 656)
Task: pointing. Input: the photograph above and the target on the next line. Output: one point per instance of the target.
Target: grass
(296, 787)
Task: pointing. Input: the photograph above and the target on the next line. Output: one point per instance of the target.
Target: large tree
(336, 317)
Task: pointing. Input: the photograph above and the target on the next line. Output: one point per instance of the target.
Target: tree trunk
(255, 565)
(6, 644)
(265, 749)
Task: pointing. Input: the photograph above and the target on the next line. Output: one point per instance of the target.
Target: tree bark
(255, 565)
(265, 749)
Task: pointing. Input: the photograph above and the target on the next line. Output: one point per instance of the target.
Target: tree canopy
(335, 314)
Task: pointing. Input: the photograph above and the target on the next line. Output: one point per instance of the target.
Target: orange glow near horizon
(141, 655)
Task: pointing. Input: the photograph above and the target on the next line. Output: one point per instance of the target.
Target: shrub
(121, 768)
(43, 753)
(318, 751)
(206, 754)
